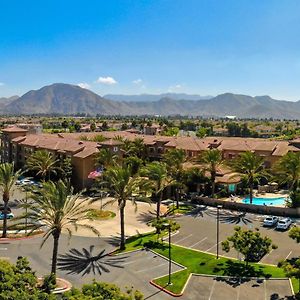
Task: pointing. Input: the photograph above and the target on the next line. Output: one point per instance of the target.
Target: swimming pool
(266, 201)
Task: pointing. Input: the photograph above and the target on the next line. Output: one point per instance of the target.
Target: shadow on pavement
(84, 262)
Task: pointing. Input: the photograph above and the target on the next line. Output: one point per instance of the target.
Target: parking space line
(238, 292)
(213, 246)
(265, 286)
(198, 242)
(288, 255)
(148, 269)
(186, 237)
(3, 249)
(212, 289)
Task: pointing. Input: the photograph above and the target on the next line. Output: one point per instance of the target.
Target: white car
(270, 221)
(284, 223)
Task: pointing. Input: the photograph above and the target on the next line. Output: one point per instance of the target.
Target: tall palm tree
(106, 158)
(43, 163)
(124, 187)
(174, 160)
(250, 167)
(212, 159)
(58, 209)
(195, 176)
(158, 174)
(8, 178)
(287, 170)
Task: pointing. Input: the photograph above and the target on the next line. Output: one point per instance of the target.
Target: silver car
(270, 221)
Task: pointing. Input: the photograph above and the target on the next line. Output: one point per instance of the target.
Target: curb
(5, 240)
(165, 290)
(67, 286)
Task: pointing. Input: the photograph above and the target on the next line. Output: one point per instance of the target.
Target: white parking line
(148, 269)
(212, 289)
(136, 260)
(288, 255)
(3, 249)
(238, 292)
(213, 246)
(186, 237)
(198, 242)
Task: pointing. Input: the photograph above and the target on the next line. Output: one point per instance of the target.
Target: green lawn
(201, 263)
(183, 209)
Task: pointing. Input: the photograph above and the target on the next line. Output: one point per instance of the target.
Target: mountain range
(152, 98)
(67, 99)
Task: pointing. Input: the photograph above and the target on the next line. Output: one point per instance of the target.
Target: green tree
(106, 158)
(93, 126)
(211, 159)
(292, 269)
(66, 168)
(250, 167)
(174, 160)
(194, 176)
(43, 163)
(249, 243)
(8, 178)
(124, 187)
(158, 174)
(294, 233)
(287, 170)
(59, 209)
(19, 282)
(77, 126)
(102, 291)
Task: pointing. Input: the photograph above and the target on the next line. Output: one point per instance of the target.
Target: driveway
(210, 288)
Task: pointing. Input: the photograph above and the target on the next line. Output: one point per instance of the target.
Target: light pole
(218, 224)
(170, 259)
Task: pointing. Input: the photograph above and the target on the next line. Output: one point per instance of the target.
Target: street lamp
(218, 223)
(170, 261)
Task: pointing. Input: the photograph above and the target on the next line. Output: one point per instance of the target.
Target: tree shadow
(84, 262)
(199, 211)
(276, 296)
(146, 217)
(229, 217)
(238, 273)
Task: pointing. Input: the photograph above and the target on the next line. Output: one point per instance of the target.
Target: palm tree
(287, 170)
(106, 158)
(43, 163)
(174, 160)
(58, 209)
(8, 178)
(158, 174)
(195, 176)
(124, 187)
(250, 167)
(212, 159)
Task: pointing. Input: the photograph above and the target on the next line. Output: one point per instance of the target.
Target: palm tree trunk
(213, 184)
(122, 222)
(159, 199)
(251, 191)
(4, 232)
(177, 197)
(55, 252)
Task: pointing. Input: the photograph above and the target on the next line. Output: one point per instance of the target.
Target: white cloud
(107, 80)
(137, 81)
(84, 85)
(175, 87)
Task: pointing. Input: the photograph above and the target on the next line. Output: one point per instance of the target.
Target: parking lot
(198, 231)
(210, 288)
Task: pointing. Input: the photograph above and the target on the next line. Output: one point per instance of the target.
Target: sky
(204, 47)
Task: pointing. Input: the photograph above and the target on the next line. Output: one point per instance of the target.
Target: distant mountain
(61, 98)
(152, 97)
(69, 99)
(5, 101)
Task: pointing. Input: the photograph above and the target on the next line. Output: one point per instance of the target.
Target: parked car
(284, 224)
(270, 221)
(8, 216)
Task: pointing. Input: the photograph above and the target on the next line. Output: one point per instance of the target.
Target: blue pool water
(266, 201)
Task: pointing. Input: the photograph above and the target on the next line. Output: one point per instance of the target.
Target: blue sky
(203, 46)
